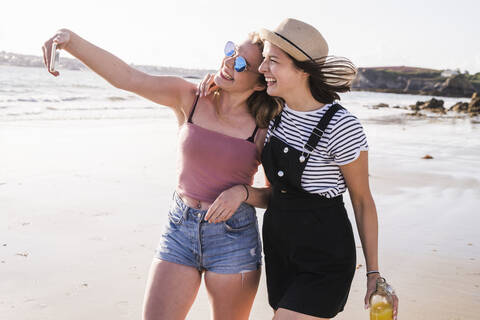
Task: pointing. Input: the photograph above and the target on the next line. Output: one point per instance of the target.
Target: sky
(185, 33)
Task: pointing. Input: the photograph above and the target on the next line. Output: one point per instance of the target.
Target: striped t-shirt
(341, 144)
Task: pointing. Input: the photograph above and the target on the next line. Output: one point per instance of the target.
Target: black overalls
(308, 240)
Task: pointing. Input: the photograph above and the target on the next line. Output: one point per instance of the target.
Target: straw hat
(298, 39)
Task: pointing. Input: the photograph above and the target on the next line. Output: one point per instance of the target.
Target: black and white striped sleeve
(346, 139)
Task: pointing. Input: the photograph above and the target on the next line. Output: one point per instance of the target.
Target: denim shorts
(228, 247)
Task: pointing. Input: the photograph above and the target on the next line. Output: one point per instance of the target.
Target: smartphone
(54, 57)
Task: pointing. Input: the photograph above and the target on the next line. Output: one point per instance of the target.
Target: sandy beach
(83, 203)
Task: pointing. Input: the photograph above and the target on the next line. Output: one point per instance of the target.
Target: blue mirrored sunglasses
(240, 62)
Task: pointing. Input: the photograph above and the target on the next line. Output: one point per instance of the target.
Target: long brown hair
(328, 76)
(262, 106)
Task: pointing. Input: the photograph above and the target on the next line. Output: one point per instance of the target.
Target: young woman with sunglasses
(212, 227)
(315, 150)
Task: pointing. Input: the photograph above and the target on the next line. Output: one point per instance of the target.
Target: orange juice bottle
(381, 302)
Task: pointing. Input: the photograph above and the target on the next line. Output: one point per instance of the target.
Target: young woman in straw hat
(212, 225)
(315, 150)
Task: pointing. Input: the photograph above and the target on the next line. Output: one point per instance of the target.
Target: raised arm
(174, 92)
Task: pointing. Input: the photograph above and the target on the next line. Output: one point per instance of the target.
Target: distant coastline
(23, 60)
(421, 81)
(393, 79)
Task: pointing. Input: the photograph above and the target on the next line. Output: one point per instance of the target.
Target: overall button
(283, 190)
(280, 173)
(285, 150)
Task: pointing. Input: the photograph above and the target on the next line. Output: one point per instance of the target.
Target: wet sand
(83, 203)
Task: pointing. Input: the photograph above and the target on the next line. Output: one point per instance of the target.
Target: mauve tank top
(210, 162)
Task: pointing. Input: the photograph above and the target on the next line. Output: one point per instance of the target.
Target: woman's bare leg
(171, 290)
(232, 295)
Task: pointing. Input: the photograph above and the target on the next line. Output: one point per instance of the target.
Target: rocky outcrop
(474, 105)
(459, 107)
(381, 80)
(413, 81)
(437, 106)
(455, 86)
(380, 105)
(432, 105)
(420, 85)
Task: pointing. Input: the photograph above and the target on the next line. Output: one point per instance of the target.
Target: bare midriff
(194, 203)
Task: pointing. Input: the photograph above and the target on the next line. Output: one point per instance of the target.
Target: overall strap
(318, 131)
(193, 108)
(252, 137)
(276, 120)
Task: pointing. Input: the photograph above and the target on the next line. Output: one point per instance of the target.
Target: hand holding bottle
(383, 301)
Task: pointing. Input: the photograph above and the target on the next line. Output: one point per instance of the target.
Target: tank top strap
(252, 137)
(193, 108)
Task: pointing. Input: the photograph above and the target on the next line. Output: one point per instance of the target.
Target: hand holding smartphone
(54, 57)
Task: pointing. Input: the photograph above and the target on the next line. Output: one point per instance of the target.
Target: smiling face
(282, 76)
(230, 80)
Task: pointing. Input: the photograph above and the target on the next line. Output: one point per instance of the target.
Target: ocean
(33, 94)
